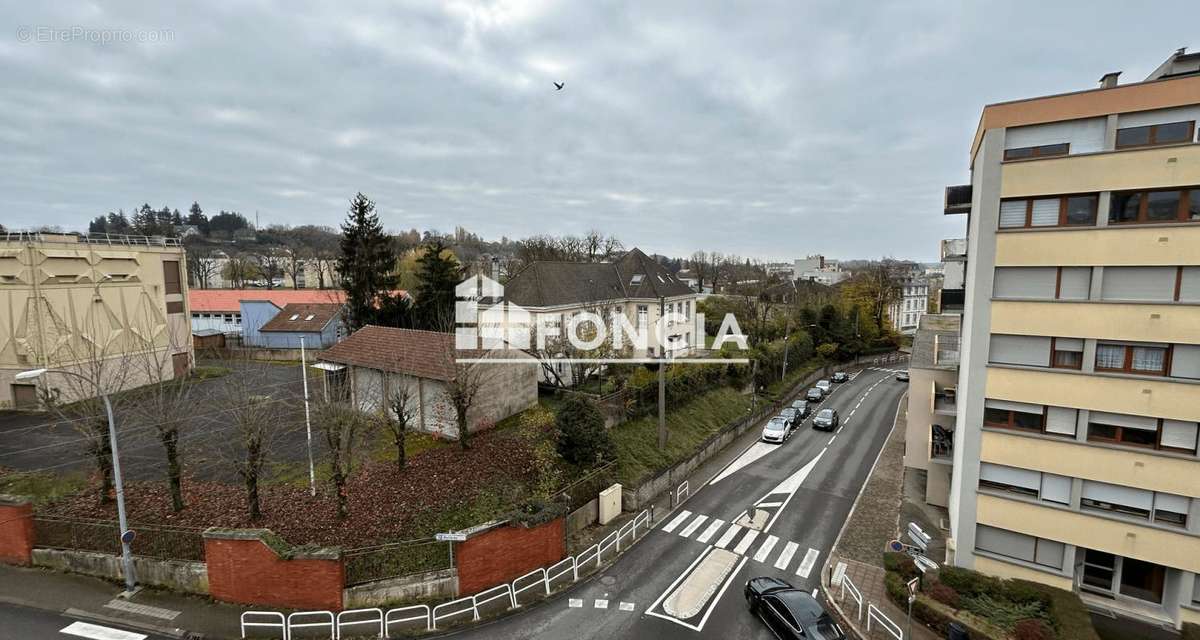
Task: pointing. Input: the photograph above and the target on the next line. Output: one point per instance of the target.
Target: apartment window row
(1154, 206)
(1040, 151)
(1154, 506)
(1119, 284)
(1047, 487)
(1112, 356)
(1163, 434)
(1010, 544)
(1057, 211)
(235, 318)
(1156, 134)
(1080, 210)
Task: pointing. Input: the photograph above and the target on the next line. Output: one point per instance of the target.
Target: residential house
(817, 269)
(912, 303)
(375, 364)
(316, 325)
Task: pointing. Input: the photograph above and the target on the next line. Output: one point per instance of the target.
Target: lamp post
(126, 534)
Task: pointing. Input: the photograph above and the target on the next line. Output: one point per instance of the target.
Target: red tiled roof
(308, 317)
(226, 300)
(424, 354)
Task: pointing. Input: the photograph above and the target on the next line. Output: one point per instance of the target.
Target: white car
(825, 386)
(777, 430)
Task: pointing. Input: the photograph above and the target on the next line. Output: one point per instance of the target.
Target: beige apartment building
(110, 309)
(1074, 455)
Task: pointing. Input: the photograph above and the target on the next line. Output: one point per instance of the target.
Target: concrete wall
(244, 569)
(187, 577)
(583, 517)
(506, 552)
(432, 585)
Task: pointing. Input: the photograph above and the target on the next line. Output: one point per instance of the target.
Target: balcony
(945, 401)
(945, 352)
(941, 443)
(954, 249)
(958, 199)
(953, 300)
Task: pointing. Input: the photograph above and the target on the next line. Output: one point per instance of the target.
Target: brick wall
(16, 531)
(506, 552)
(242, 568)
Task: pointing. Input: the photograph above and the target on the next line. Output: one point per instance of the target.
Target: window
(1066, 353)
(1061, 421)
(1058, 211)
(175, 306)
(1010, 479)
(1033, 351)
(1011, 544)
(1148, 207)
(1141, 431)
(171, 284)
(1102, 496)
(1143, 360)
(637, 279)
(1013, 415)
(1141, 284)
(294, 316)
(1171, 509)
(1169, 133)
(1178, 435)
(1043, 151)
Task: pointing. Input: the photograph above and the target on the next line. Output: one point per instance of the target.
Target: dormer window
(309, 317)
(295, 316)
(637, 279)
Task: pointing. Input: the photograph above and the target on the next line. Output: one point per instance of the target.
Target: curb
(96, 617)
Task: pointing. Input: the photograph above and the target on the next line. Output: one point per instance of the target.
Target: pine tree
(366, 262)
(439, 274)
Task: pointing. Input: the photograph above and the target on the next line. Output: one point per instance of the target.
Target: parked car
(801, 407)
(902, 376)
(814, 395)
(777, 429)
(825, 386)
(789, 612)
(826, 419)
(792, 415)
(841, 376)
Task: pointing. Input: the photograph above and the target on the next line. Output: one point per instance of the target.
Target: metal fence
(392, 560)
(104, 536)
(588, 487)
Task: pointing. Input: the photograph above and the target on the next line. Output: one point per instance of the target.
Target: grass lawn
(43, 487)
(689, 425)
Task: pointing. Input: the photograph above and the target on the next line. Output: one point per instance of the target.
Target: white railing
(273, 615)
(848, 586)
(542, 580)
(682, 492)
(876, 615)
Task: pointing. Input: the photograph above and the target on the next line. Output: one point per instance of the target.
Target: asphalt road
(35, 624)
(685, 579)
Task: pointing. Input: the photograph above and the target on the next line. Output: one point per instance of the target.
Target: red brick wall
(504, 553)
(250, 572)
(16, 533)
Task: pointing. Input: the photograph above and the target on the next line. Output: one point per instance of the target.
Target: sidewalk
(874, 522)
(155, 611)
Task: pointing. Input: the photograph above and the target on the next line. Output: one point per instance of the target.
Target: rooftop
(303, 316)
(228, 300)
(935, 345)
(634, 275)
(423, 354)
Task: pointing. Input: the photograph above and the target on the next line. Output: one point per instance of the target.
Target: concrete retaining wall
(432, 585)
(583, 517)
(177, 575)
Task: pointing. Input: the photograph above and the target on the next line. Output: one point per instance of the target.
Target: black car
(801, 407)
(826, 419)
(814, 395)
(789, 612)
(840, 376)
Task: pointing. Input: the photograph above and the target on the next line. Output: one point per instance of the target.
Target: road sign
(896, 545)
(450, 537)
(912, 587)
(127, 537)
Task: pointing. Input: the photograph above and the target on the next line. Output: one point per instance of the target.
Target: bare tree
(271, 262)
(403, 405)
(238, 270)
(165, 403)
(202, 263)
(254, 418)
(343, 426)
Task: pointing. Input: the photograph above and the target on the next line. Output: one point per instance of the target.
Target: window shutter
(1068, 344)
(1045, 212)
(1189, 288)
(1172, 502)
(1116, 494)
(1011, 475)
(1151, 284)
(1179, 434)
(1005, 542)
(1027, 350)
(1056, 488)
(1061, 420)
(1124, 420)
(1025, 282)
(1008, 405)
(1076, 283)
(1050, 553)
(1012, 214)
(1185, 361)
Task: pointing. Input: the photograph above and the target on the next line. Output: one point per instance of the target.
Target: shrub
(1001, 611)
(1070, 617)
(582, 438)
(900, 563)
(1032, 629)
(944, 594)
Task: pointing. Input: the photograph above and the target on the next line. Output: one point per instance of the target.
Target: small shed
(208, 340)
(318, 324)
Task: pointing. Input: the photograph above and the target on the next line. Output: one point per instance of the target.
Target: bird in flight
(558, 86)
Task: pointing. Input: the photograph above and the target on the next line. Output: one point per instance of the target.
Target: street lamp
(126, 534)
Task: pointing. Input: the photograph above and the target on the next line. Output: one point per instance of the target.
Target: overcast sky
(774, 131)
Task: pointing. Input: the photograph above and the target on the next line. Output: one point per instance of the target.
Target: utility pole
(662, 375)
(312, 475)
(787, 334)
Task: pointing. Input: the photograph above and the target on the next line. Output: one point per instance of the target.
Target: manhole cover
(608, 580)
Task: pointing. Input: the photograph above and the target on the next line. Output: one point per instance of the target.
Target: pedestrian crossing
(744, 541)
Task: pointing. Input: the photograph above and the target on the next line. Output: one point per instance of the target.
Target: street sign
(450, 537)
(912, 587)
(896, 545)
(127, 537)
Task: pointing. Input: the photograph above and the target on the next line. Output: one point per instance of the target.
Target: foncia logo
(604, 332)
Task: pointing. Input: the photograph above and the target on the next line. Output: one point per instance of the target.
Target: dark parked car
(840, 376)
(790, 613)
(792, 415)
(826, 419)
(902, 376)
(814, 395)
(801, 407)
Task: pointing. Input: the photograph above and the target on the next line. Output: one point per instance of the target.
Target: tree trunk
(251, 477)
(170, 441)
(103, 455)
(400, 453)
(339, 484)
(464, 437)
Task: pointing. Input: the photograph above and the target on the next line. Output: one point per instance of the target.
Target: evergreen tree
(582, 439)
(118, 222)
(366, 262)
(196, 217)
(439, 274)
(99, 224)
(176, 217)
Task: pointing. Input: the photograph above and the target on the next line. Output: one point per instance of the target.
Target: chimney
(1109, 80)
(496, 277)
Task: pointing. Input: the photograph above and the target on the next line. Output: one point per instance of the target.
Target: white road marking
(785, 558)
(711, 531)
(683, 515)
(728, 536)
(756, 451)
(692, 526)
(97, 632)
(745, 542)
(831, 440)
(769, 504)
(765, 549)
(601, 603)
(806, 565)
(575, 603)
(626, 606)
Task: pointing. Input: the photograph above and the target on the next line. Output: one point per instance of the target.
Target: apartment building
(112, 309)
(910, 305)
(1078, 398)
